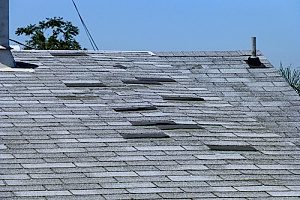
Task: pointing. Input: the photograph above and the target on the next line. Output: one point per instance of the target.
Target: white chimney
(6, 58)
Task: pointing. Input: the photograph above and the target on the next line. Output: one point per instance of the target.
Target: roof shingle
(65, 141)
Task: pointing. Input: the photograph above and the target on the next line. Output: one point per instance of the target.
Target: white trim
(4, 68)
(90, 51)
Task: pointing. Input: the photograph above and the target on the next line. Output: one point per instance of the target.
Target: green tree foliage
(292, 77)
(51, 34)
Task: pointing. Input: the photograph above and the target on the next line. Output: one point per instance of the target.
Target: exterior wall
(6, 58)
(4, 23)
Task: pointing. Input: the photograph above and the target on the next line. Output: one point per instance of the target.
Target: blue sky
(176, 25)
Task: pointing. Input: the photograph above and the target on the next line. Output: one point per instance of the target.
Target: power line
(15, 41)
(92, 41)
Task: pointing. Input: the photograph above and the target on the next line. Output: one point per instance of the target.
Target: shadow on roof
(24, 65)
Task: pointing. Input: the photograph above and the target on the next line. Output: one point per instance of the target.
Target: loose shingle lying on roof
(57, 143)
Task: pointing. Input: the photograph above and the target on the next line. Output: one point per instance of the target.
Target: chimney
(6, 57)
(253, 60)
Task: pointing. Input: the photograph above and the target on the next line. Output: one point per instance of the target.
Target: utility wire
(15, 41)
(92, 41)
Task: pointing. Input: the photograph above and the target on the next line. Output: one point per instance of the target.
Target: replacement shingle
(135, 108)
(144, 135)
(181, 98)
(231, 148)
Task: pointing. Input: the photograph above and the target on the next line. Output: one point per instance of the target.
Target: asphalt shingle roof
(233, 131)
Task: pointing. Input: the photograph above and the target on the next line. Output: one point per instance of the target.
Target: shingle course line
(74, 149)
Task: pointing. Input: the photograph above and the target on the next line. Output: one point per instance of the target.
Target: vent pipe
(6, 57)
(253, 47)
(253, 60)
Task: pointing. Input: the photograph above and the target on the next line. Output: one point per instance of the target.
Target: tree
(292, 77)
(60, 35)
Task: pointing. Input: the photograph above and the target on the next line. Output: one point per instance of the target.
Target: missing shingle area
(68, 54)
(231, 148)
(149, 80)
(25, 65)
(144, 136)
(120, 66)
(135, 108)
(161, 80)
(198, 66)
(152, 123)
(142, 82)
(166, 125)
(73, 97)
(179, 126)
(297, 144)
(84, 84)
(181, 98)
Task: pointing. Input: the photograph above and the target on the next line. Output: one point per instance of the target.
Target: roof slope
(62, 127)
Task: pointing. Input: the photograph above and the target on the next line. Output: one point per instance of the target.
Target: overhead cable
(92, 41)
(15, 41)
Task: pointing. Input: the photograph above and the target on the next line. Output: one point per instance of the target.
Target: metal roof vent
(254, 61)
(6, 57)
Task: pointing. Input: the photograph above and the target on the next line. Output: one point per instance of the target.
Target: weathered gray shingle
(62, 127)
